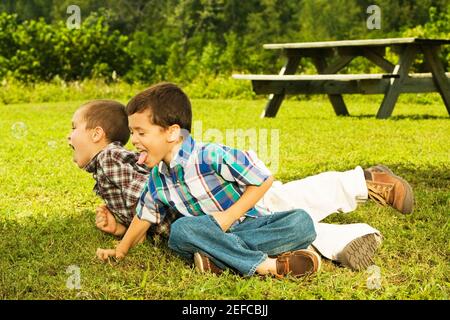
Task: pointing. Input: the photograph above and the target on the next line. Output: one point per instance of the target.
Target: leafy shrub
(438, 28)
(35, 51)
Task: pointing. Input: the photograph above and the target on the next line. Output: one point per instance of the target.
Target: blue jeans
(245, 245)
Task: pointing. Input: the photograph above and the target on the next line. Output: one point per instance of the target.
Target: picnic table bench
(397, 78)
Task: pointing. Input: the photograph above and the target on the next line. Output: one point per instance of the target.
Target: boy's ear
(98, 134)
(173, 133)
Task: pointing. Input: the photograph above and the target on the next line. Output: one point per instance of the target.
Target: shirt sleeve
(242, 167)
(147, 208)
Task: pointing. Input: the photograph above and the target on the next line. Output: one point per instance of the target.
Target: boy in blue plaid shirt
(217, 189)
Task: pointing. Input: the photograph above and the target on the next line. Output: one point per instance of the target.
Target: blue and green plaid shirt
(202, 178)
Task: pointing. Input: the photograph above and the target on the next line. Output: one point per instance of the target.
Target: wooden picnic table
(396, 79)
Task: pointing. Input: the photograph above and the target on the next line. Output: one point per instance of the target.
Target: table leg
(275, 100)
(390, 98)
(431, 55)
(372, 55)
(336, 99)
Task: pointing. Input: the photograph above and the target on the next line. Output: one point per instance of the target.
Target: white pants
(320, 196)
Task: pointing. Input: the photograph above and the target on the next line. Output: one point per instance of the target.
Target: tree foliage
(150, 40)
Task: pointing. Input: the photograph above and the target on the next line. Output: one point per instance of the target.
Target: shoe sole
(358, 254)
(408, 202)
(198, 262)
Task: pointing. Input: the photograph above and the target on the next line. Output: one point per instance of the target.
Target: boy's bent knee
(182, 230)
(179, 229)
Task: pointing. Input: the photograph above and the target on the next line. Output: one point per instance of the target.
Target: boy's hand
(249, 198)
(135, 233)
(104, 220)
(224, 219)
(104, 254)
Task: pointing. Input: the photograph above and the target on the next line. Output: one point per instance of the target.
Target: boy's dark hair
(167, 103)
(110, 115)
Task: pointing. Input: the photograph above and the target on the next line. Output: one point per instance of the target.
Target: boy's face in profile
(152, 141)
(80, 139)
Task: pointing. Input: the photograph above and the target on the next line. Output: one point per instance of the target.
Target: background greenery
(190, 40)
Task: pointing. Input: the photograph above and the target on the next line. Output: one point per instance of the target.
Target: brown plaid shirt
(119, 182)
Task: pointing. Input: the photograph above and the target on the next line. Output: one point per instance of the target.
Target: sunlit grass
(47, 206)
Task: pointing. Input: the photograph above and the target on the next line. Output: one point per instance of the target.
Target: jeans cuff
(253, 269)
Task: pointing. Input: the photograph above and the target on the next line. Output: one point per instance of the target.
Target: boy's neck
(173, 152)
(98, 147)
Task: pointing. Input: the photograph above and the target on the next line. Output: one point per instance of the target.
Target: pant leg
(247, 244)
(322, 195)
(319, 195)
(332, 238)
(277, 233)
(202, 234)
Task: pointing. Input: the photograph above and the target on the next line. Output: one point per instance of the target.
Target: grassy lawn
(47, 204)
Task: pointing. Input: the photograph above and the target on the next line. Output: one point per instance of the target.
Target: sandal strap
(283, 266)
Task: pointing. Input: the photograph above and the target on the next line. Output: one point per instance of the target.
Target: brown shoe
(377, 168)
(386, 188)
(298, 263)
(358, 254)
(204, 264)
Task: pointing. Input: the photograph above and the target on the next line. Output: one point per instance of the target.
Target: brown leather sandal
(204, 264)
(297, 263)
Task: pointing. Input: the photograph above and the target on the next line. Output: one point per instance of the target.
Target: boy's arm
(106, 222)
(133, 236)
(243, 168)
(248, 200)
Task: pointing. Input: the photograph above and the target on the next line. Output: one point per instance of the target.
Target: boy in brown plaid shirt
(99, 133)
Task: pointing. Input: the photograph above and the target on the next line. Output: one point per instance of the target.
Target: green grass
(47, 206)
(207, 87)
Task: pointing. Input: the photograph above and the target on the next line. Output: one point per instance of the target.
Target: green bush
(193, 47)
(36, 51)
(438, 28)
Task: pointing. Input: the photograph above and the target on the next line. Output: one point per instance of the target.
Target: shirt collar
(182, 156)
(91, 167)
